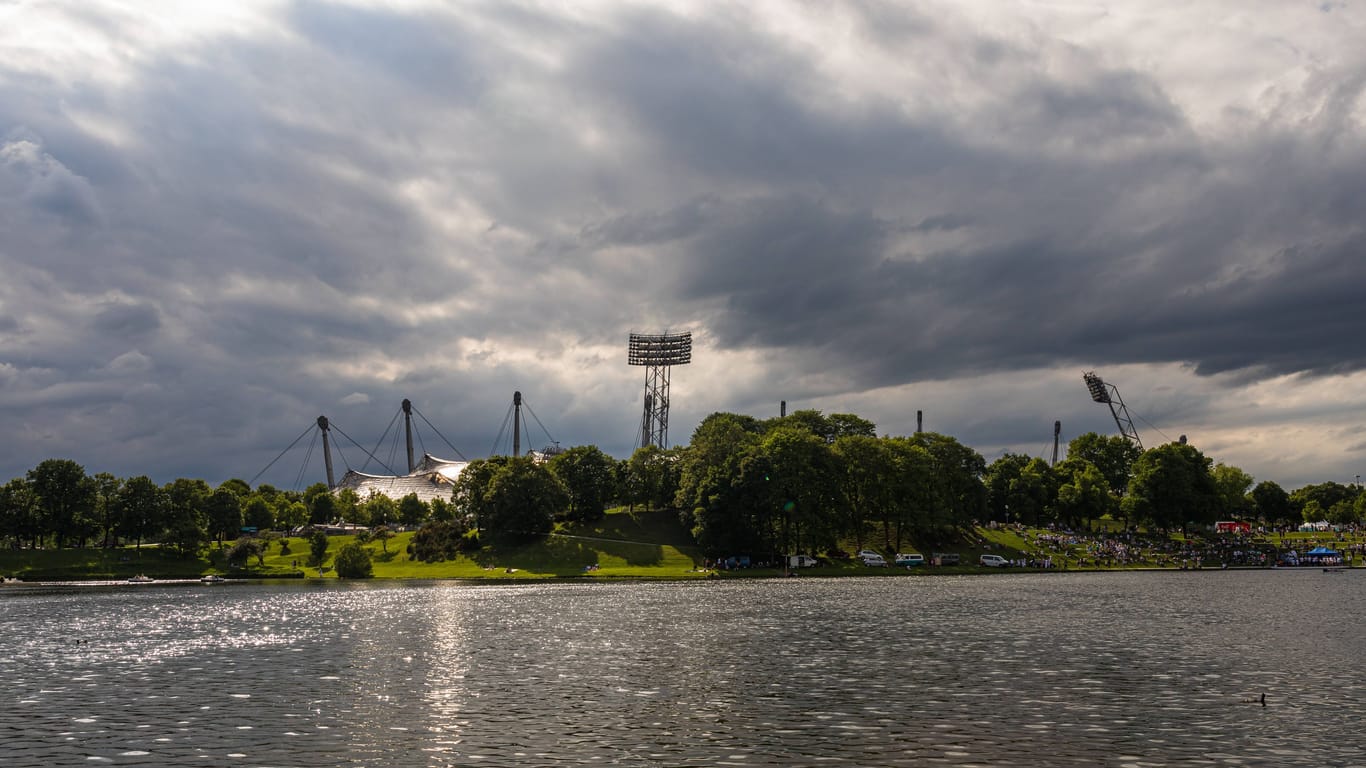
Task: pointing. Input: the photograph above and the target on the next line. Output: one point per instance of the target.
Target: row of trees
(803, 482)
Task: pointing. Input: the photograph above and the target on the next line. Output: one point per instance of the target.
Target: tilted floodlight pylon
(1109, 394)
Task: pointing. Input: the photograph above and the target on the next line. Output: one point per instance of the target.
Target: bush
(436, 541)
(317, 548)
(246, 548)
(470, 542)
(353, 562)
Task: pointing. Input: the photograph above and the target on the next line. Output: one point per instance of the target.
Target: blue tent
(1323, 556)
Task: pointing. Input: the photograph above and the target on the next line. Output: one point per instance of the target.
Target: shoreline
(754, 574)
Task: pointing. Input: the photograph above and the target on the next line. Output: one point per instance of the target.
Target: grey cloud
(31, 176)
(641, 167)
(126, 321)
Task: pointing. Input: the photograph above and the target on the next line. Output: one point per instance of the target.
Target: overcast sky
(221, 220)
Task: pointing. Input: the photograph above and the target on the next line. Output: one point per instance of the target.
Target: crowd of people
(1059, 547)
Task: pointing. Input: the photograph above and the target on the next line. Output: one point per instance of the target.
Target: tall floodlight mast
(1108, 394)
(657, 353)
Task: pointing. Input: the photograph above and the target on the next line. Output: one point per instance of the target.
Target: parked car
(993, 561)
(909, 559)
(801, 561)
(874, 560)
(867, 553)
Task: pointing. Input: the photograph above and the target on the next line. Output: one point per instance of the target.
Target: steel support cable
(303, 468)
(282, 453)
(337, 429)
(380, 442)
(1154, 426)
(548, 436)
(499, 439)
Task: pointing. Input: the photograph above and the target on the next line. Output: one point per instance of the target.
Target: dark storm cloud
(352, 205)
(1053, 269)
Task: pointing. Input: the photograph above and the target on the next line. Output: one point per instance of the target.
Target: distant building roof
(431, 479)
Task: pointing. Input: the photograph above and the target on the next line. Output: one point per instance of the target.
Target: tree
(347, 505)
(1034, 493)
(1272, 504)
(106, 506)
(1114, 456)
(290, 517)
(257, 513)
(912, 489)
(237, 487)
(587, 474)
(470, 489)
(1343, 513)
(380, 509)
(850, 425)
(224, 510)
(864, 477)
(383, 533)
(1232, 485)
(244, 548)
(808, 420)
(1326, 494)
(413, 511)
(1084, 494)
(142, 508)
(442, 510)
(1000, 481)
(1172, 487)
(650, 477)
(804, 491)
(438, 540)
(187, 527)
(317, 549)
(65, 498)
(353, 562)
(521, 502)
(320, 504)
(957, 477)
(19, 512)
(715, 474)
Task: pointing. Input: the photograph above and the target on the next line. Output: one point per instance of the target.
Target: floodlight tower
(657, 352)
(1109, 394)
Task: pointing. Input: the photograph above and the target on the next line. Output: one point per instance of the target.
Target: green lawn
(644, 545)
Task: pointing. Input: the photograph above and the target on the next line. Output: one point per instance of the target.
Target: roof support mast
(327, 452)
(408, 430)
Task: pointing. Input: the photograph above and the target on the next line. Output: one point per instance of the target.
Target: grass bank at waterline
(654, 545)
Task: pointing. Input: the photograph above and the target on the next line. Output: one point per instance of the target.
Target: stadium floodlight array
(656, 353)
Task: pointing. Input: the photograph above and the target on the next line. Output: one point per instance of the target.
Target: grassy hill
(643, 545)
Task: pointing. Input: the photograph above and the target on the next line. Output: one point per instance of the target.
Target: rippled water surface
(1084, 669)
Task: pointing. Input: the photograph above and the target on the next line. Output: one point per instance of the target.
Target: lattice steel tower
(657, 353)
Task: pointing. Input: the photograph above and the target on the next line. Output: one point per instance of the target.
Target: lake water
(1115, 669)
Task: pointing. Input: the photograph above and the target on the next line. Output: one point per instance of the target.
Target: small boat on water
(141, 579)
(212, 578)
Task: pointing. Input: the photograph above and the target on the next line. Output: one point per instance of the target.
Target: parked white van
(993, 561)
(800, 561)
